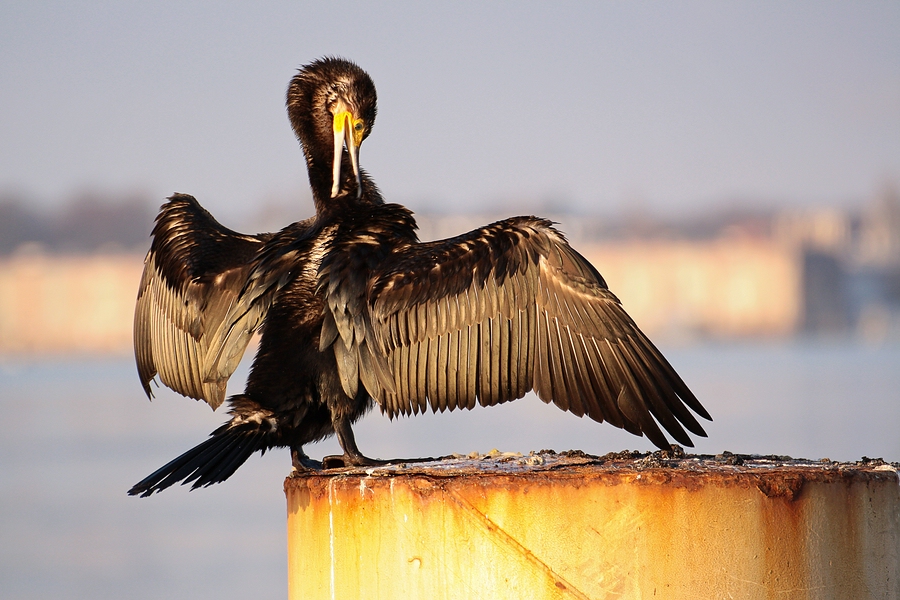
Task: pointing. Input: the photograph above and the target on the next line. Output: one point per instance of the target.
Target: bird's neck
(320, 174)
(319, 180)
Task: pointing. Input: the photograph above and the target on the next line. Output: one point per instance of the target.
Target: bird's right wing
(487, 316)
(193, 272)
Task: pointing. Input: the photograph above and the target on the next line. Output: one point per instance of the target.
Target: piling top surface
(774, 475)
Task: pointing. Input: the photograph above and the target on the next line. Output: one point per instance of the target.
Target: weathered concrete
(573, 526)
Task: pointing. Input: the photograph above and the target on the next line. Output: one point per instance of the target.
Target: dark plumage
(353, 308)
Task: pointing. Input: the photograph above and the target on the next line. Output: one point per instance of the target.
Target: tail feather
(193, 464)
(229, 463)
(213, 461)
(210, 459)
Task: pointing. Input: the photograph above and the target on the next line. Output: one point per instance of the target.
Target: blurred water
(78, 434)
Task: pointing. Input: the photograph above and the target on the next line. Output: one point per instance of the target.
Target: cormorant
(354, 310)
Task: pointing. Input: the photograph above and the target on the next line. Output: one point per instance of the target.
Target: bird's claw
(338, 461)
(301, 462)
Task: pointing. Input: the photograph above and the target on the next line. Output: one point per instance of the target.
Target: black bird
(354, 310)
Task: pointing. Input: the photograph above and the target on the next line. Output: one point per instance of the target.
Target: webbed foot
(301, 462)
(337, 461)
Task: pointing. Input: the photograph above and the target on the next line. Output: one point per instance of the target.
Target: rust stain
(785, 548)
(780, 485)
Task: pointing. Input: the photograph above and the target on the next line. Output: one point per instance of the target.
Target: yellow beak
(349, 130)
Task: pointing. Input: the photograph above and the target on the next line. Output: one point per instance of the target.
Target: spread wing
(487, 316)
(291, 253)
(194, 270)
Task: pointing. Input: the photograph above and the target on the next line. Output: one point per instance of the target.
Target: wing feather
(543, 384)
(194, 270)
(408, 383)
(505, 353)
(421, 364)
(557, 368)
(575, 367)
(513, 354)
(474, 365)
(485, 317)
(453, 369)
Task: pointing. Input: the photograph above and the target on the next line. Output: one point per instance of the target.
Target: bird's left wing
(192, 274)
(489, 315)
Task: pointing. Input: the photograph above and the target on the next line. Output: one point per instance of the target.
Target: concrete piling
(575, 526)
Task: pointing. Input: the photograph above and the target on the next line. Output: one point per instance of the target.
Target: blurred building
(851, 266)
(733, 275)
(59, 304)
(723, 288)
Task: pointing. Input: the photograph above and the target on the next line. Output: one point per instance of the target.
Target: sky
(596, 107)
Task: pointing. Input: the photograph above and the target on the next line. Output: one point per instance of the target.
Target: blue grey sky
(591, 106)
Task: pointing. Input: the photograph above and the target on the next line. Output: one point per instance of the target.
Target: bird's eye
(358, 126)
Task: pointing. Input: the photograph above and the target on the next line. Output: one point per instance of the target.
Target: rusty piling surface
(575, 526)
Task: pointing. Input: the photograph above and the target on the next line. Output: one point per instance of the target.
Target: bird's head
(332, 105)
